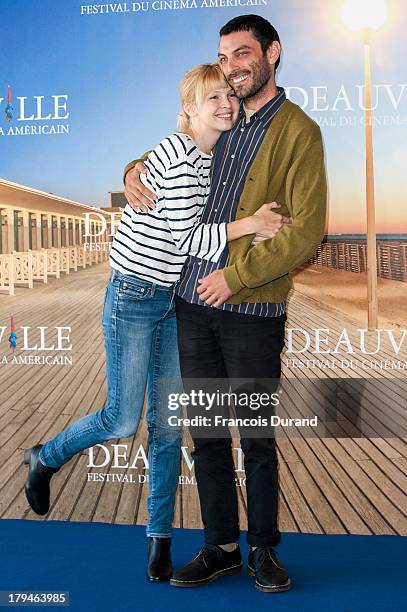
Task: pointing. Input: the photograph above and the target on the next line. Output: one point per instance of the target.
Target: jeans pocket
(131, 290)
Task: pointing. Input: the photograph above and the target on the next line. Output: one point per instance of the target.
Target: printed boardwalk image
(338, 482)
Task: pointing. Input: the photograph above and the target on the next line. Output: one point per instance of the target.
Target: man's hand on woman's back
(140, 198)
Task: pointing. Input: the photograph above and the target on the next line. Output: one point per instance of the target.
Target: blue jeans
(140, 332)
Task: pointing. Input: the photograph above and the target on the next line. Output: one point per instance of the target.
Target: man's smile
(236, 80)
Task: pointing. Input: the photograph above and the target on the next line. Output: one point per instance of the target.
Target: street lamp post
(372, 321)
(366, 15)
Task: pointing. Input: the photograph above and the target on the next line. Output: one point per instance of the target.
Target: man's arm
(307, 190)
(140, 198)
(131, 165)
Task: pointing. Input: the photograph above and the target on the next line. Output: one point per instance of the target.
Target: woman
(139, 314)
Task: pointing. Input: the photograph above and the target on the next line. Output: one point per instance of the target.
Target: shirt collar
(266, 113)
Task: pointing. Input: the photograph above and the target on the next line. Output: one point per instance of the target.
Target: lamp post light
(368, 15)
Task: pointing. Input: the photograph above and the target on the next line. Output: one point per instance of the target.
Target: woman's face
(218, 110)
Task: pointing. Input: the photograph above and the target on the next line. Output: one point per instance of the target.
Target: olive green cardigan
(288, 169)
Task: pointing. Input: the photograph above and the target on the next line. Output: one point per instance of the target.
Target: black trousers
(217, 344)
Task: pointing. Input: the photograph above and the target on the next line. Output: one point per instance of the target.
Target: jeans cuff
(222, 537)
(264, 541)
(46, 463)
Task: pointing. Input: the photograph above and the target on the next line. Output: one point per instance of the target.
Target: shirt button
(232, 156)
(224, 183)
(215, 209)
(242, 129)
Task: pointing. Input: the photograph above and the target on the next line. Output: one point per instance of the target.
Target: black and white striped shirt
(154, 246)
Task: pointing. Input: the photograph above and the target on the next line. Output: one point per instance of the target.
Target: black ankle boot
(37, 489)
(159, 567)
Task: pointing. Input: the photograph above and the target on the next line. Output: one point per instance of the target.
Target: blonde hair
(194, 86)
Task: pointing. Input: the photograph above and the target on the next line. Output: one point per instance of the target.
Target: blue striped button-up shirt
(234, 154)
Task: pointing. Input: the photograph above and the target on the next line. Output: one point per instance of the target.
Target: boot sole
(230, 571)
(154, 579)
(27, 457)
(267, 589)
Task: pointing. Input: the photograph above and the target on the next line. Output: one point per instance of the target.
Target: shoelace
(207, 550)
(268, 552)
(210, 548)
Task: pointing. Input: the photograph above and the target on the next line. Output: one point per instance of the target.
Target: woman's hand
(140, 198)
(267, 222)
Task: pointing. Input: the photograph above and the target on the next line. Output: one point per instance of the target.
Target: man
(231, 315)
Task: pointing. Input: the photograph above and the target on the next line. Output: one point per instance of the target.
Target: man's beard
(261, 74)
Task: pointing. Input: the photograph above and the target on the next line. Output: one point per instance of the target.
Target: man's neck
(248, 112)
(260, 99)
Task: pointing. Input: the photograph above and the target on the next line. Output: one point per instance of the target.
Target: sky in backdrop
(120, 71)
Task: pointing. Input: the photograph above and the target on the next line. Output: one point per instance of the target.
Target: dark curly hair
(261, 29)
